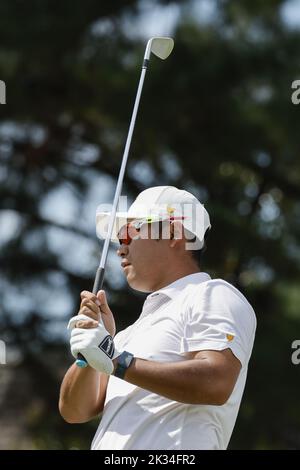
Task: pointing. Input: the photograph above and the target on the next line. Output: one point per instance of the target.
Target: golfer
(174, 379)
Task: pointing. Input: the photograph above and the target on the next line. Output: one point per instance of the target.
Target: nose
(122, 250)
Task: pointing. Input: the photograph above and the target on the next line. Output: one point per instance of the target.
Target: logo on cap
(170, 210)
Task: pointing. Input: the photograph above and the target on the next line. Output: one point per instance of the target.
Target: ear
(176, 232)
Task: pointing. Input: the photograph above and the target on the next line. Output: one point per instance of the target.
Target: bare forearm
(79, 394)
(190, 381)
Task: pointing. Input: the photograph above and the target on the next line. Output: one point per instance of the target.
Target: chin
(136, 285)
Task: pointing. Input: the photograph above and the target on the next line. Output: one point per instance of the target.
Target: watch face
(128, 359)
(125, 359)
(123, 362)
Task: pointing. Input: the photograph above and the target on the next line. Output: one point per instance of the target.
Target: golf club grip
(98, 283)
(81, 361)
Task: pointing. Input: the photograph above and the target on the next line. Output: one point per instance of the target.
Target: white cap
(159, 203)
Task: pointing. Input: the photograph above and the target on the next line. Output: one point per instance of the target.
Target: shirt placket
(146, 317)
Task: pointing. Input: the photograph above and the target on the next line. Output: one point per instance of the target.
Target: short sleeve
(220, 317)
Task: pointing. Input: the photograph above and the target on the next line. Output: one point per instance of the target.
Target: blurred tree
(217, 119)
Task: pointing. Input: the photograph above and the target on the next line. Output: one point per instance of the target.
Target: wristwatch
(123, 362)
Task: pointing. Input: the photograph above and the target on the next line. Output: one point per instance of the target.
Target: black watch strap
(123, 362)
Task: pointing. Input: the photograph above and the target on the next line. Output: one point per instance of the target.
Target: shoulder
(219, 297)
(220, 290)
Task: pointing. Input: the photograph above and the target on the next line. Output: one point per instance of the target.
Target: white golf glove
(95, 344)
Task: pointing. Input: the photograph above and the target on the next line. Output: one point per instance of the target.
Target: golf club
(162, 48)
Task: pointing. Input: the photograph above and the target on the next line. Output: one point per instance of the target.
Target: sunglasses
(131, 230)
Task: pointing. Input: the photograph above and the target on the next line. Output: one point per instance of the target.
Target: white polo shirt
(193, 313)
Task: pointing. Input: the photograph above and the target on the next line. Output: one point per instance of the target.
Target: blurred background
(216, 119)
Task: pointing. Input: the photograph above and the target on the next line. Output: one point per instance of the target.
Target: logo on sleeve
(107, 346)
(229, 337)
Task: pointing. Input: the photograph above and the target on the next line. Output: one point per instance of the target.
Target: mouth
(124, 264)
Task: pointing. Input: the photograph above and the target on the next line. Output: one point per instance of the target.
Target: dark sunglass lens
(123, 236)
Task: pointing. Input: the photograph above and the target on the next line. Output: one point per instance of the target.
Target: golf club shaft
(101, 268)
(98, 283)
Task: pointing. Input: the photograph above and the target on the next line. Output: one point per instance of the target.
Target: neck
(173, 275)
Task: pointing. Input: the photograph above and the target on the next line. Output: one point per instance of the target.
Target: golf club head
(161, 47)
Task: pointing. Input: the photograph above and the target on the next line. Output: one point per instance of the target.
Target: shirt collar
(175, 287)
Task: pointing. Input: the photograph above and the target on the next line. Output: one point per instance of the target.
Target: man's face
(147, 258)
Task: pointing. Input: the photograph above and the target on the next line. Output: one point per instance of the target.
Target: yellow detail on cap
(230, 337)
(170, 210)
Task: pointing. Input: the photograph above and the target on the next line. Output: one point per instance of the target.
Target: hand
(96, 308)
(106, 314)
(95, 344)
